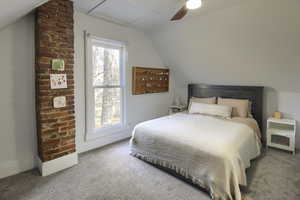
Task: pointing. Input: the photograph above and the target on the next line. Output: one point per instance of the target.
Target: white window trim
(91, 132)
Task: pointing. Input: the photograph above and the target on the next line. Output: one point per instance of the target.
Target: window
(105, 86)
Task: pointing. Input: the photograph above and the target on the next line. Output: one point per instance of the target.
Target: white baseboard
(10, 168)
(56, 165)
(102, 141)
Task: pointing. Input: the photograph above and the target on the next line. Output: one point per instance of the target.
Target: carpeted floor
(111, 173)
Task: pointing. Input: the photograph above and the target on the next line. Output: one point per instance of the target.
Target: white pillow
(211, 109)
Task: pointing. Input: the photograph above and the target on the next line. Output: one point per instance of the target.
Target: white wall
(250, 43)
(12, 10)
(140, 53)
(17, 102)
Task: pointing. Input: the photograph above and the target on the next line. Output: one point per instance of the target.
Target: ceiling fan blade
(180, 14)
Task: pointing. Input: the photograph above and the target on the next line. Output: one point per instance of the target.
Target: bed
(210, 152)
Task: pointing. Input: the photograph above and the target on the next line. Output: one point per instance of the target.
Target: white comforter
(211, 152)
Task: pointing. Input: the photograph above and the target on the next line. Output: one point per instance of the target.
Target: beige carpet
(111, 173)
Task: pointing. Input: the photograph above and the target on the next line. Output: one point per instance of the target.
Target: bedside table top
(283, 121)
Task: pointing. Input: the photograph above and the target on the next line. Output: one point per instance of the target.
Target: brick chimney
(55, 125)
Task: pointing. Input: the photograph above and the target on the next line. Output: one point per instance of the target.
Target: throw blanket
(211, 152)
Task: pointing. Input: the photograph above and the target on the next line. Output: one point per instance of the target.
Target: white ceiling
(144, 14)
(11, 10)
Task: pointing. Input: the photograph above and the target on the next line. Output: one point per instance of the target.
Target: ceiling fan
(189, 5)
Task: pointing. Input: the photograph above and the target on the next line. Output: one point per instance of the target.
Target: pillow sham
(223, 111)
(240, 107)
(211, 100)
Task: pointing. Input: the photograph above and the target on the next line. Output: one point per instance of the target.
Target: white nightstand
(281, 133)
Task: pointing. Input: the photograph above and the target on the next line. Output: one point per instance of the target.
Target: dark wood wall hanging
(150, 80)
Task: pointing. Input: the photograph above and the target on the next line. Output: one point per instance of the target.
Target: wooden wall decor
(150, 80)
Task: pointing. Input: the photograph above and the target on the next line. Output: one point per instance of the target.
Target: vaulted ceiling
(11, 10)
(139, 13)
(143, 14)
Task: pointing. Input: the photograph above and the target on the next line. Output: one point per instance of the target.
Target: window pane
(106, 66)
(107, 107)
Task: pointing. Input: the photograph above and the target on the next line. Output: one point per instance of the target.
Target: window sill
(106, 132)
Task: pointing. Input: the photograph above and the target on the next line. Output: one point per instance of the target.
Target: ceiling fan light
(193, 4)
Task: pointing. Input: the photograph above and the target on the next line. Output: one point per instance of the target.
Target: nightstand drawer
(281, 133)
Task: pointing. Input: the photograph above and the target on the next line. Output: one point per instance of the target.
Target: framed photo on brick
(58, 64)
(59, 102)
(58, 81)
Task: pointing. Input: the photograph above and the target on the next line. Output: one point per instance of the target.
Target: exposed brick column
(54, 40)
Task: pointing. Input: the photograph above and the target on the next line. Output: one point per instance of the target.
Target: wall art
(59, 102)
(58, 64)
(58, 81)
